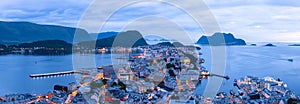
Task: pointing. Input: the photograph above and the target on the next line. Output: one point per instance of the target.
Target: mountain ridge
(24, 32)
(129, 38)
(28, 32)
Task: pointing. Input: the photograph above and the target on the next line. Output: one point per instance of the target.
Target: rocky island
(216, 40)
(270, 45)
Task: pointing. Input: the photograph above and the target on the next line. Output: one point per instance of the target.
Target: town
(155, 74)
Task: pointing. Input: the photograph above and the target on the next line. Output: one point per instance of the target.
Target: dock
(108, 68)
(53, 74)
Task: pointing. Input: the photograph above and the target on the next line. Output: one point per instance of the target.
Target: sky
(251, 20)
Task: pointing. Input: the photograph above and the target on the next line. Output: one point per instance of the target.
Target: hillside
(124, 39)
(24, 32)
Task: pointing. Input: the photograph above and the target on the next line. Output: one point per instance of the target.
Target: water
(15, 71)
(260, 62)
(241, 61)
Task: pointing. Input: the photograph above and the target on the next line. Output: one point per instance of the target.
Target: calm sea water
(241, 61)
(15, 71)
(260, 61)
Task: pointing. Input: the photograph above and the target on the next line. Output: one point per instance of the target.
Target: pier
(211, 75)
(107, 68)
(53, 74)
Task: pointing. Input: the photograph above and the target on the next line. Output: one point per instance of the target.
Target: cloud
(234, 3)
(130, 13)
(65, 13)
(260, 22)
(253, 20)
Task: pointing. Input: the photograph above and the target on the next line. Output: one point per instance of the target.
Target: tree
(122, 85)
(114, 84)
(104, 81)
(171, 72)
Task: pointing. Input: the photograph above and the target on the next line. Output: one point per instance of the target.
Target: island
(270, 45)
(294, 45)
(217, 39)
(253, 44)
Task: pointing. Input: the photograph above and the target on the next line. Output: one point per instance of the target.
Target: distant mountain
(21, 32)
(177, 44)
(164, 39)
(294, 45)
(103, 35)
(165, 44)
(155, 39)
(216, 39)
(47, 44)
(44, 47)
(124, 39)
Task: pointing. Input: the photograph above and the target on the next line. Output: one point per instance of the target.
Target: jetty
(54, 74)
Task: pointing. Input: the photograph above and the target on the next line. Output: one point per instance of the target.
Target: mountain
(216, 40)
(47, 47)
(165, 44)
(164, 39)
(24, 32)
(47, 44)
(172, 44)
(123, 39)
(103, 35)
(156, 38)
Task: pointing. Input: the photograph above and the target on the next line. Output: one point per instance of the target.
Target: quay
(53, 74)
(84, 72)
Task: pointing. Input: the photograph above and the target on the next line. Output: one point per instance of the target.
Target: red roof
(107, 98)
